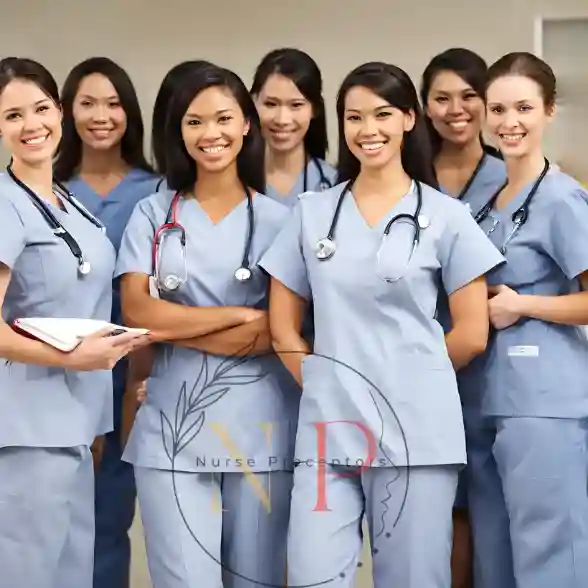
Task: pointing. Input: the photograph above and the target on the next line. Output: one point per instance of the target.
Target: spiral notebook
(66, 334)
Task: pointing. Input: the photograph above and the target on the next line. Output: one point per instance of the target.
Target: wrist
(525, 305)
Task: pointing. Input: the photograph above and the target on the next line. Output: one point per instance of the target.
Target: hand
(99, 352)
(504, 306)
(141, 391)
(253, 314)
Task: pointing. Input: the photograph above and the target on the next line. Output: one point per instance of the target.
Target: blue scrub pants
(325, 536)
(115, 503)
(46, 517)
(528, 497)
(214, 530)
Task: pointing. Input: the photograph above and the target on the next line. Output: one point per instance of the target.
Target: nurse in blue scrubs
(529, 467)
(55, 261)
(102, 162)
(453, 89)
(212, 444)
(380, 431)
(288, 92)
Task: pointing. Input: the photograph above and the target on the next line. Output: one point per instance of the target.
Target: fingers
(128, 337)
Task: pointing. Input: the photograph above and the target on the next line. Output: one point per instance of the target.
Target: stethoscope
(472, 178)
(520, 215)
(326, 247)
(84, 266)
(324, 183)
(173, 281)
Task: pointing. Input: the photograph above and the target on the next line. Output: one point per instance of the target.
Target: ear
(246, 129)
(551, 111)
(409, 121)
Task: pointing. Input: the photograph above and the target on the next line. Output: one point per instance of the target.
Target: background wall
(147, 37)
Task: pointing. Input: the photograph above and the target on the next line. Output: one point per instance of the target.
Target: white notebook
(65, 334)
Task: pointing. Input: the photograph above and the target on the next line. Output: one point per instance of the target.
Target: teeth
(36, 141)
(372, 146)
(458, 124)
(215, 149)
(513, 137)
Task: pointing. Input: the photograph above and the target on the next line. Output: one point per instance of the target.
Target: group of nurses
(527, 453)
(55, 261)
(212, 444)
(453, 91)
(380, 427)
(101, 160)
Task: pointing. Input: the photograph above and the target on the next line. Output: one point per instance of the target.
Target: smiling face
(455, 108)
(374, 129)
(99, 117)
(517, 115)
(284, 112)
(213, 129)
(30, 122)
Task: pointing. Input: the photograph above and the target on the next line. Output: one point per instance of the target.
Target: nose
(99, 113)
(283, 116)
(369, 126)
(32, 122)
(511, 118)
(455, 106)
(211, 131)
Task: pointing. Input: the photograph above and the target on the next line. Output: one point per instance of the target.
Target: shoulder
(495, 165)
(269, 208)
(154, 205)
(314, 199)
(146, 182)
(443, 205)
(12, 197)
(560, 190)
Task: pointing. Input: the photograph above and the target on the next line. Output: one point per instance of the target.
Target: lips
(214, 149)
(372, 146)
(34, 141)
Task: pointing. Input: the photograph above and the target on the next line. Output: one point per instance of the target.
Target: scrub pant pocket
(46, 517)
(543, 464)
(214, 530)
(410, 523)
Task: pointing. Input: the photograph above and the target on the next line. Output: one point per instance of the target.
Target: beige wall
(149, 36)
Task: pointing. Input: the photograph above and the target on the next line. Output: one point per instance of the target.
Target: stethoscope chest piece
(243, 274)
(423, 221)
(325, 249)
(171, 283)
(84, 268)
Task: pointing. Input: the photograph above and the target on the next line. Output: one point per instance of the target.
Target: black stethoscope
(324, 182)
(520, 215)
(472, 178)
(326, 247)
(173, 281)
(84, 266)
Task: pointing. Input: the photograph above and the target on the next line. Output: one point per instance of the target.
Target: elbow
(476, 342)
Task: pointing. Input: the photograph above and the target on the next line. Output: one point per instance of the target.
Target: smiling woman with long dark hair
(370, 254)
(101, 160)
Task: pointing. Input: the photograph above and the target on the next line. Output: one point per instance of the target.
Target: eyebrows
(377, 109)
(219, 112)
(90, 97)
(37, 103)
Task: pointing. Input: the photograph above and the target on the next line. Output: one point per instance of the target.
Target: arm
(507, 307)
(469, 316)
(18, 348)
(251, 338)
(170, 321)
(287, 310)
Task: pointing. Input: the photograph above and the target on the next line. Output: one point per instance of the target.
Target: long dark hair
(69, 155)
(471, 68)
(180, 167)
(302, 70)
(395, 86)
(22, 68)
(170, 82)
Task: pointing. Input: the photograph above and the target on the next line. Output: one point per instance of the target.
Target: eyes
(500, 109)
(90, 103)
(224, 119)
(466, 96)
(16, 115)
(296, 105)
(382, 115)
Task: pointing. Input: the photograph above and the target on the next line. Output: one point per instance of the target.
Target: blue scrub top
(319, 176)
(537, 368)
(114, 210)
